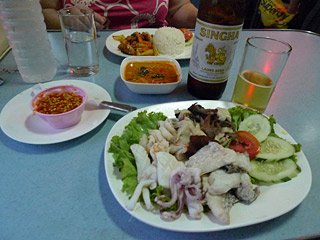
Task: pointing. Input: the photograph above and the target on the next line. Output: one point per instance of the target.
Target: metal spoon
(117, 106)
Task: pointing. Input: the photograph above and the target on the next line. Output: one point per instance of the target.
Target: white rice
(169, 41)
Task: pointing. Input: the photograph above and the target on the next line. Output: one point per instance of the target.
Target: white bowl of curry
(150, 74)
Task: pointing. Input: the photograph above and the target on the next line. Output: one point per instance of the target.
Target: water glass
(80, 35)
(263, 62)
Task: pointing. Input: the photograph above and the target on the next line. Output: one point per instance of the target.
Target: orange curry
(151, 72)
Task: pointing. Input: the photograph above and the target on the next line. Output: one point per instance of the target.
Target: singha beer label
(213, 51)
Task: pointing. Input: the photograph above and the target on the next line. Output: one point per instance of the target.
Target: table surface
(60, 191)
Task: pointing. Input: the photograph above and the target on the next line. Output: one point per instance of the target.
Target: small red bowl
(65, 119)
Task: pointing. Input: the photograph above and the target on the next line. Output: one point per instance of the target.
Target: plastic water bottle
(24, 23)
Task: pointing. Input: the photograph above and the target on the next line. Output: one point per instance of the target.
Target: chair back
(4, 44)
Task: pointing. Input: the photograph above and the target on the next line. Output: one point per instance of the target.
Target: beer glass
(262, 64)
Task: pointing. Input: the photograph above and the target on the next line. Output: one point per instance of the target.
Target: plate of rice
(168, 41)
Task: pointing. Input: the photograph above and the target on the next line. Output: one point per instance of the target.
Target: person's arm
(182, 13)
(50, 14)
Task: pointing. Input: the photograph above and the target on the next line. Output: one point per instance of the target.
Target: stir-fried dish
(201, 160)
(139, 44)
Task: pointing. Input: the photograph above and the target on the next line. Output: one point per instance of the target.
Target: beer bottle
(217, 31)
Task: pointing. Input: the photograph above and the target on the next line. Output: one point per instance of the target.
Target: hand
(99, 20)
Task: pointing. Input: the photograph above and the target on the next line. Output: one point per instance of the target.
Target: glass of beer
(262, 64)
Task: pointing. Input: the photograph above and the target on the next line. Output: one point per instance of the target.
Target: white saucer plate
(19, 123)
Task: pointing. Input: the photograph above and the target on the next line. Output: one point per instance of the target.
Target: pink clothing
(124, 14)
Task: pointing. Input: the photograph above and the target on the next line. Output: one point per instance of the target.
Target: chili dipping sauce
(57, 102)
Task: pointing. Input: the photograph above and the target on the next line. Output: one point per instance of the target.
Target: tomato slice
(187, 34)
(245, 142)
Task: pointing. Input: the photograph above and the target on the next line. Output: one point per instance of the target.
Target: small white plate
(112, 45)
(273, 201)
(19, 123)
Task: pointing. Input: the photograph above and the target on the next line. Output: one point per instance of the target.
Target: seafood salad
(200, 161)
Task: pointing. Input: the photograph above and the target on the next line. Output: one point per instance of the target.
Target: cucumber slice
(189, 42)
(274, 172)
(258, 125)
(274, 148)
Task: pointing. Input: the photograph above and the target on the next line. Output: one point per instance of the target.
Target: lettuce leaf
(238, 114)
(120, 147)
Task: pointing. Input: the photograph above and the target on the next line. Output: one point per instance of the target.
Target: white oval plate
(19, 123)
(273, 201)
(112, 45)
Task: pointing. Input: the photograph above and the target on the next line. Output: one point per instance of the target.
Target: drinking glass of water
(262, 64)
(80, 35)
